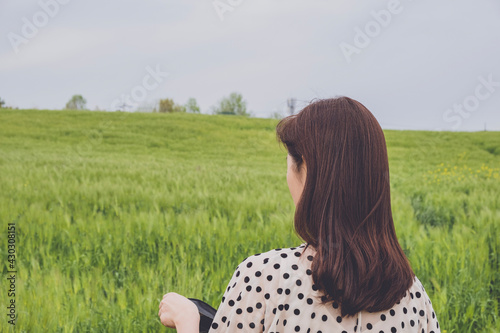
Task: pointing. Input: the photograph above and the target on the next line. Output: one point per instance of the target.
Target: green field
(112, 210)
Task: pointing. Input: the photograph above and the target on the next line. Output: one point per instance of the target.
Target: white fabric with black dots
(274, 292)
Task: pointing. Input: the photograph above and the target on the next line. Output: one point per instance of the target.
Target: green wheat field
(113, 210)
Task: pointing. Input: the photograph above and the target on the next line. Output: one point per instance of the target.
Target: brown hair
(344, 211)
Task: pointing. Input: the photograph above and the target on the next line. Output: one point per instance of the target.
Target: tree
(2, 103)
(192, 106)
(77, 102)
(167, 105)
(179, 108)
(233, 105)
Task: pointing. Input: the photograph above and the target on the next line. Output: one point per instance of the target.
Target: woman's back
(359, 279)
(274, 292)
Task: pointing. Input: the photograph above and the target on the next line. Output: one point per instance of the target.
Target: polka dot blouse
(274, 292)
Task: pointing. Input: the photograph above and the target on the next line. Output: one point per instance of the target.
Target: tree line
(234, 104)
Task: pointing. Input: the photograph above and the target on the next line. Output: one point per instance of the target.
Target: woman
(350, 275)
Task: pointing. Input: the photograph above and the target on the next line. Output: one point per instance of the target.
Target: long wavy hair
(344, 211)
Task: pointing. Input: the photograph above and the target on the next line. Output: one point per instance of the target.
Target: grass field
(112, 210)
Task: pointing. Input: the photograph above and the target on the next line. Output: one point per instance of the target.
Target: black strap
(207, 314)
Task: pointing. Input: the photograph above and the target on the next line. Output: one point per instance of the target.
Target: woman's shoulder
(281, 252)
(273, 257)
(266, 265)
(417, 292)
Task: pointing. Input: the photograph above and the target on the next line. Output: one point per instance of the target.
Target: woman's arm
(176, 311)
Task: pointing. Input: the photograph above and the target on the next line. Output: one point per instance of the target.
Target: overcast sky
(417, 64)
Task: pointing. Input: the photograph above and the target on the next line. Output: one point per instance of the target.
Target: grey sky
(428, 57)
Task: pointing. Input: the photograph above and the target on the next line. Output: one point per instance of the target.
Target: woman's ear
(303, 169)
